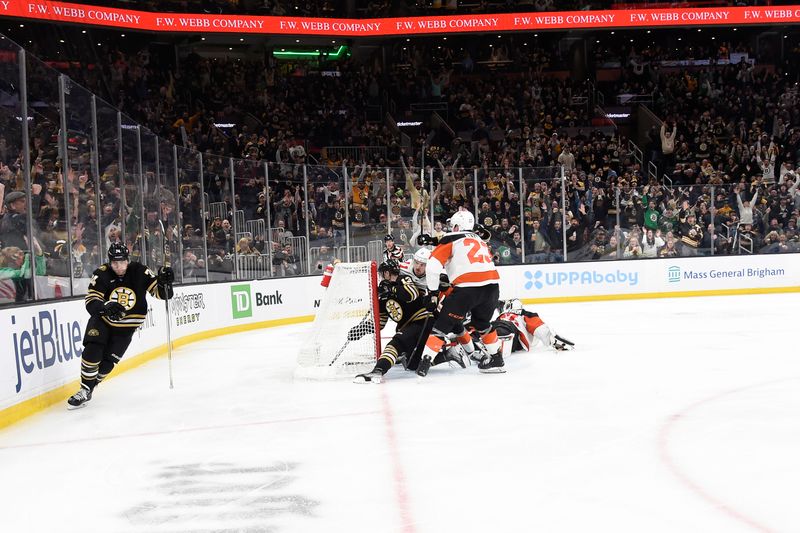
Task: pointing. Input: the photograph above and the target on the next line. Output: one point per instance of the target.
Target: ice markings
(220, 497)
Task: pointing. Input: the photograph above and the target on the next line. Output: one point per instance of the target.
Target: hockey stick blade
(341, 350)
(565, 341)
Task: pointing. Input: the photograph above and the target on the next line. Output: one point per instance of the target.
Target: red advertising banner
(562, 20)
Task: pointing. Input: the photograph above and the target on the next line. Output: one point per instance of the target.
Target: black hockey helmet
(391, 266)
(388, 238)
(117, 252)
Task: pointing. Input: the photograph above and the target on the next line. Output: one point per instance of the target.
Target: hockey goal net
(344, 339)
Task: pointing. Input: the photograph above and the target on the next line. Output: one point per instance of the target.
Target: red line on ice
(401, 491)
(666, 458)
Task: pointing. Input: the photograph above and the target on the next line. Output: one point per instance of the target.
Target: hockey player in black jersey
(403, 302)
(117, 303)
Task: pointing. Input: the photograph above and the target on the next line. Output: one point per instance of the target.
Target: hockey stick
(341, 350)
(563, 343)
(420, 343)
(166, 300)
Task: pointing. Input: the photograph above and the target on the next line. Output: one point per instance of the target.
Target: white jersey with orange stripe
(466, 260)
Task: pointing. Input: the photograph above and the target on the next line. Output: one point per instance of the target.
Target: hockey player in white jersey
(466, 260)
(416, 268)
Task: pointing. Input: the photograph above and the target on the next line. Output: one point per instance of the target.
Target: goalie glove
(427, 240)
(113, 310)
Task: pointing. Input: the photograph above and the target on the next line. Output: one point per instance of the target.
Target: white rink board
(649, 276)
(34, 360)
(41, 344)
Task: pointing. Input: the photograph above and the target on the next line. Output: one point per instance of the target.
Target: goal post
(344, 339)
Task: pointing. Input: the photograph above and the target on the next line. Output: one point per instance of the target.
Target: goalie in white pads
(520, 329)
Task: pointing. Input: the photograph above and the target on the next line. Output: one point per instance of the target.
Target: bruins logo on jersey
(395, 310)
(124, 297)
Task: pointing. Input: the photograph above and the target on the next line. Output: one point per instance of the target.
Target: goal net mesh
(349, 307)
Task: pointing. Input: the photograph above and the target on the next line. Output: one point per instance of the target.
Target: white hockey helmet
(422, 255)
(463, 219)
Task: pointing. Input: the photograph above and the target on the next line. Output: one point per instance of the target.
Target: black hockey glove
(386, 289)
(432, 301)
(113, 310)
(482, 232)
(166, 275)
(427, 240)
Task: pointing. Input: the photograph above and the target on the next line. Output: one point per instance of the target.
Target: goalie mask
(512, 306)
(463, 220)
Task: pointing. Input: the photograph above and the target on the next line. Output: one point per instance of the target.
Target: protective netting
(343, 339)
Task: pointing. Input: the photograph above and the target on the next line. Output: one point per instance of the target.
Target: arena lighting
(288, 54)
(56, 11)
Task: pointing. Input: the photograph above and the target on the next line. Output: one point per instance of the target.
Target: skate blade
(74, 407)
(495, 370)
(361, 380)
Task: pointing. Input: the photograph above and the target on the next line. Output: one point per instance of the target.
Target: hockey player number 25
(477, 252)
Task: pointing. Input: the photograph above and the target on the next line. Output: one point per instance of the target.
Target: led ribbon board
(501, 22)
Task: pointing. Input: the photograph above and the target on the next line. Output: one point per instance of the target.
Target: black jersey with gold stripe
(130, 291)
(403, 304)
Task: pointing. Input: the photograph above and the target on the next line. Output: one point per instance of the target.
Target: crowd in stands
(726, 157)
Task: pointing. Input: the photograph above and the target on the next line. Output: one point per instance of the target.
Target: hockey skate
(374, 376)
(492, 364)
(424, 366)
(480, 353)
(79, 399)
(456, 356)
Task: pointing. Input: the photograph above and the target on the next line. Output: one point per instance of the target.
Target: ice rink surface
(669, 416)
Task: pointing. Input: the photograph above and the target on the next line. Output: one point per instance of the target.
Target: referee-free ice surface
(669, 416)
